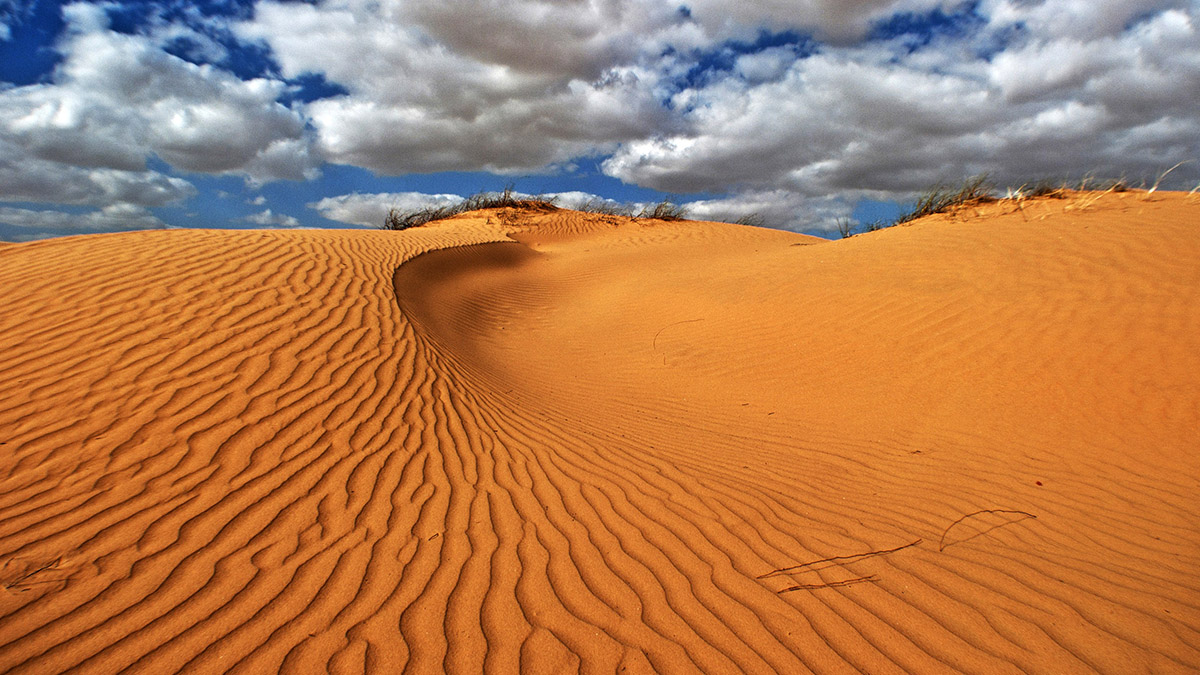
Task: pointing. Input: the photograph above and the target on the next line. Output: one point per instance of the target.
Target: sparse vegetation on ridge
(1059, 189)
(403, 220)
(940, 198)
(605, 207)
(977, 190)
(751, 220)
(937, 199)
(663, 210)
(666, 209)
(845, 227)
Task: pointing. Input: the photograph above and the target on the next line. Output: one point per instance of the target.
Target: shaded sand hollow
(549, 441)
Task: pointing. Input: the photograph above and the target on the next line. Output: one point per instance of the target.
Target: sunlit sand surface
(547, 441)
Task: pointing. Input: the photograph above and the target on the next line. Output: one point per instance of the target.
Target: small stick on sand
(786, 570)
(832, 584)
(654, 344)
(942, 543)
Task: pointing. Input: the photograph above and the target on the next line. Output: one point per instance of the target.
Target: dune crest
(548, 442)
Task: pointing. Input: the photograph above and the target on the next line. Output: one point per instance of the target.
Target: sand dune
(552, 441)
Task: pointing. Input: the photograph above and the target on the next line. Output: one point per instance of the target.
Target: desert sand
(547, 441)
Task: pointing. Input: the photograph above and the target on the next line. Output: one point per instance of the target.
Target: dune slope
(551, 441)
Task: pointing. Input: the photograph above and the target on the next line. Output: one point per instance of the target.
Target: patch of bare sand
(548, 442)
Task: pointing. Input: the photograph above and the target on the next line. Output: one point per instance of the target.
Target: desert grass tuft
(940, 198)
(663, 210)
(752, 220)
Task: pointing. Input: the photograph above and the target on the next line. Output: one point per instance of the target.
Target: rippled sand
(552, 441)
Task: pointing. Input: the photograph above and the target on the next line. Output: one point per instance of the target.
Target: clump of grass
(1091, 184)
(664, 210)
(752, 220)
(940, 198)
(403, 220)
(976, 190)
(1042, 188)
(605, 207)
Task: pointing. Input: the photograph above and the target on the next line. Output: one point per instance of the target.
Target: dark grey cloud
(25, 178)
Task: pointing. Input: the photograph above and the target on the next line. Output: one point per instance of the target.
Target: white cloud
(574, 199)
(1019, 89)
(1073, 19)
(117, 99)
(369, 210)
(111, 217)
(876, 120)
(785, 209)
(268, 218)
(495, 86)
(836, 121)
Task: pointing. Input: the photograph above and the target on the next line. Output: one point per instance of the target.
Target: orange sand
(547, 442)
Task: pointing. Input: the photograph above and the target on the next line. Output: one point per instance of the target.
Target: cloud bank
(794, 110)
(116, 101)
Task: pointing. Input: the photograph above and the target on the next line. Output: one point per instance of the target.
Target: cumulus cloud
(268, 218)
(518, 86)
(1073, 19)
(878, 120)
(111, 217)
(784, 106)
(369, 210)
(117, 99)
(503, 87)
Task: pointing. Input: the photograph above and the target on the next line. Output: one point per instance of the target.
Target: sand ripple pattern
(444, 450)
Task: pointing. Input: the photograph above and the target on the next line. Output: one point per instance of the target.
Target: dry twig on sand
(654, 343)
(838, 559)
(811, 566)
(832, 584)
(942, 543)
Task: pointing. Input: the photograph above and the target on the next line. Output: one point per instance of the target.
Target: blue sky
(124, 115)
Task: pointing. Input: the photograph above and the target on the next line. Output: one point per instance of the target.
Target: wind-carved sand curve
(552, 442)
